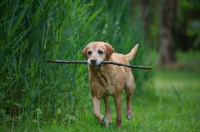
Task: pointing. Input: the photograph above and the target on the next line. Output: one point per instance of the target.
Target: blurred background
(33, 31)
(171, 26)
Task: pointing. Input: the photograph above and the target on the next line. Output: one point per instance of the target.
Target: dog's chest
(111, 81)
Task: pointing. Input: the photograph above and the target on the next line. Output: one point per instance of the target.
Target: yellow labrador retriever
(109, 80)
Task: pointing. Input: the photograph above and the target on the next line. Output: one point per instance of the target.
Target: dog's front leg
(118, 103)
(107, 109)
(96, 104)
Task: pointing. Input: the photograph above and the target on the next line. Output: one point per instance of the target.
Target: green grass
(173, 107)
(179, 95)
(176, 107)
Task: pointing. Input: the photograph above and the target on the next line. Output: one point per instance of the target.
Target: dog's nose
(93, 61)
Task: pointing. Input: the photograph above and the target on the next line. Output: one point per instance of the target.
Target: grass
(173, 107)
(176, 107)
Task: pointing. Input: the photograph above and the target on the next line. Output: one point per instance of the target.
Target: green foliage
(188, 23)
(186, 26)
(33, 31)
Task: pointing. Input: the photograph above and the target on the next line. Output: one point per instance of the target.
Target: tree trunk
(166, 45)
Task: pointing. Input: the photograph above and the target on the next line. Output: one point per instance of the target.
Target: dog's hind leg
(129, 113)
(129, 89)
(118, 104)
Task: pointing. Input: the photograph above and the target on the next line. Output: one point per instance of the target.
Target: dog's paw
(105, 122)
(129, 114)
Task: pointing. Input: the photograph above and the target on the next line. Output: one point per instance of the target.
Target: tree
(167, 22)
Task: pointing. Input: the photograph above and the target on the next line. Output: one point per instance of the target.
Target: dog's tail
(131, 55)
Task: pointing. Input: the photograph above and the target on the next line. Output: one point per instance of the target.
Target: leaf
(93, 16)
(39, 111)
(57, 43)
(17, 104)
(19, 18)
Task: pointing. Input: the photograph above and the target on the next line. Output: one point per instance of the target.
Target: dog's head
(96, 52)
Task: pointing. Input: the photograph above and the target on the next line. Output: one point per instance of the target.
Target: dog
(109, 80)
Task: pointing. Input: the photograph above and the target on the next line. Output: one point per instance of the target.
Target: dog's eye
(100, 51)
(89, 52)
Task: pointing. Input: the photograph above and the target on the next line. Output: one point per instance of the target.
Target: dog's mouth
(94, 63)
(96, 66)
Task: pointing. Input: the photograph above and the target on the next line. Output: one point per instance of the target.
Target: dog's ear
(84, 52)
(109, 49)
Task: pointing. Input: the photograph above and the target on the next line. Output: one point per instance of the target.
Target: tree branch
(104, 62)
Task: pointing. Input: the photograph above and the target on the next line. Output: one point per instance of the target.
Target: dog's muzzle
(94, 63)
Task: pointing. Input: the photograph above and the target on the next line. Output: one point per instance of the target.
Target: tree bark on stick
(104, 62)
(166, 45)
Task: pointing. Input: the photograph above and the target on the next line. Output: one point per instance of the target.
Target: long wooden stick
(104, 62)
